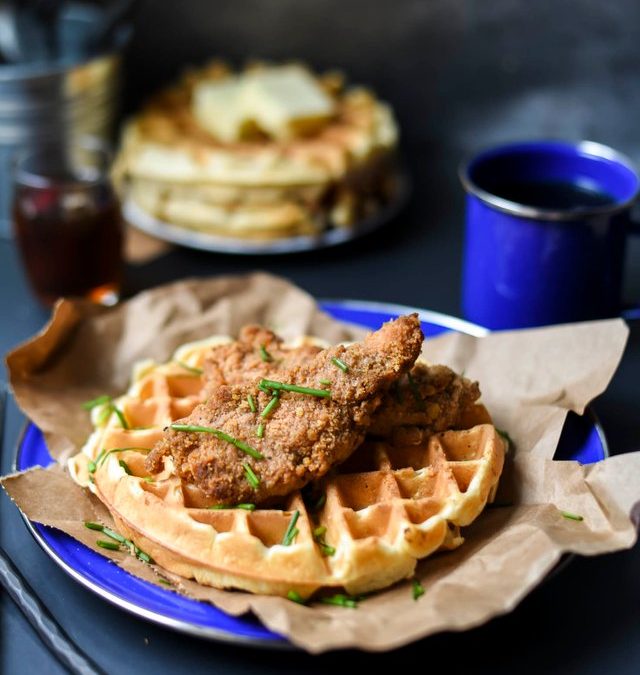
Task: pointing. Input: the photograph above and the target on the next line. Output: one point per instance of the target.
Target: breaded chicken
(427, 400)
(303, 435)
(257, 353)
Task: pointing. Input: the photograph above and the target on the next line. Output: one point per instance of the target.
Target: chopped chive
(506, 437)
(124, 466)
(326, 549)
(292, 531)
(260, 430)
(264, 354)
(112, 546)
(341, 600)
(241, 445)
(417, 589)
(271, 384)
(251, 477)
(114, 535)
(414, 390)
(191, 369)
(220, 507)
(572, 516)
(166, 582)
(252, 403)
(92, 466)
(101, 400)
(269, 408)
(102, 459)
(145, 557)
(263, 389)
(148, 479)
(320, 502)
(324, 381)
(121, 417)
(340, 364)
(93, 526)
(103, 415)
(320, 531)
(294, 596)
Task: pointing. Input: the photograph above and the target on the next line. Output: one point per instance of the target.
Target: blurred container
(41, 104)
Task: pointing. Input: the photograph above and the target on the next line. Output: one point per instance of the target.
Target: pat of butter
(217, 108)
(285, 101)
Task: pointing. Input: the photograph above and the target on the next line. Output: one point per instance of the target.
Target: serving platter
(582, 440)
(206, 241)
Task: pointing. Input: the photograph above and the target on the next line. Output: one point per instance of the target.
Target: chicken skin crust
(303, 435)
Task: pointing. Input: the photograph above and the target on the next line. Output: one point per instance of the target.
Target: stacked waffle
(268, 153)
(361, 527)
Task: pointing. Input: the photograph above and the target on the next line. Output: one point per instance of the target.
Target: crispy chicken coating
(257, 353)
(428, 400)
(304, 435)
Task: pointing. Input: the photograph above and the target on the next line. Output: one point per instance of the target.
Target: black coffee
(554, 195)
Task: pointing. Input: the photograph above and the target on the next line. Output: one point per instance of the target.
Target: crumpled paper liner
(529, 379)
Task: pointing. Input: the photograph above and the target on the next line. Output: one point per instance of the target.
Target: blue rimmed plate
(582, 440)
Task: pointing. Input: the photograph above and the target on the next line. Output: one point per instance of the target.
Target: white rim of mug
(35, 179)
(597, 150)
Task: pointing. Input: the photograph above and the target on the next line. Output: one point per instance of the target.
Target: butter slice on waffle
(384, 509)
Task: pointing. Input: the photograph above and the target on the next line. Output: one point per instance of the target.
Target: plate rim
(277, 642)
(179, 235)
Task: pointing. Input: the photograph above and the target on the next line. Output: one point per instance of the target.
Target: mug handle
(632, 312)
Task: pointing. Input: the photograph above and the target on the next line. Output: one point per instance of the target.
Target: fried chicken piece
(304, 435)
(428, 400)
(257, 353)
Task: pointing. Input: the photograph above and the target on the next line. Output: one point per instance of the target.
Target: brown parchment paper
(530, 380)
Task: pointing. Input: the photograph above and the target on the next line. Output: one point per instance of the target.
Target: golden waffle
(383, 509)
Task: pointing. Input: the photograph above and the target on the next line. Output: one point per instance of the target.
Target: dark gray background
(461, 75)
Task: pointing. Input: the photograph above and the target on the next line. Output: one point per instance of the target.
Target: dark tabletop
(462, 74)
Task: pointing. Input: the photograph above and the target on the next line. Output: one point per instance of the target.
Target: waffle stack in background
(362, 527)
(266, 153)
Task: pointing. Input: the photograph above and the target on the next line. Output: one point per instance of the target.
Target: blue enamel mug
(546, 230)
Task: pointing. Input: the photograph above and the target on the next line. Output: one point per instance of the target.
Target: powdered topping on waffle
(304, 434)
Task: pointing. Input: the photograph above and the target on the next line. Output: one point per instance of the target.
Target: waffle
(257, 187)
(380, 512)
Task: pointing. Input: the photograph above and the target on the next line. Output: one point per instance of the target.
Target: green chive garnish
(283, 386)
(101, 400)
(148, 479)
(320, 502)
(108, 544)
(292, 531)
(101, 460)
(263, 389)
(264, 354)
(294, 596)
(340, 363)
(145, 557)
(572, 516)
(325, 381)
(414, 390)
(220, 507)
(269, 408)
(191, 369)
(252, 403)
(417, 589)
(341, 600)
(320, 531)
(318, 535)
(251, 477)
(506, 437)
(260, 430)
(92, 466)
(93, 526)
(241, 445)
(166, 582)
(114, 535)
(124, 466)
(104, 415)
(120, 415)
(326, 549)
